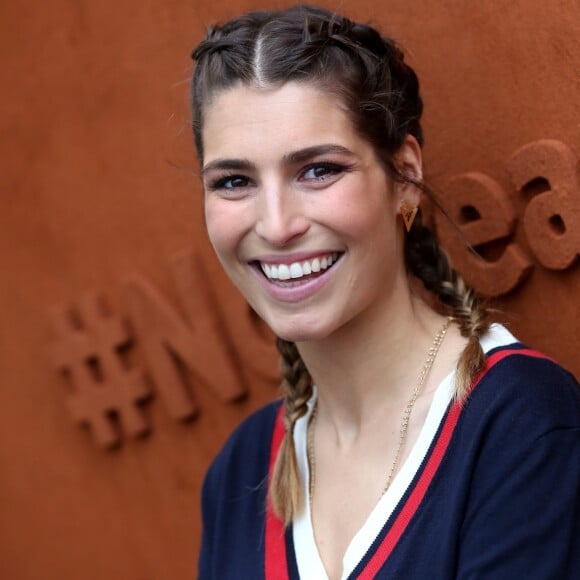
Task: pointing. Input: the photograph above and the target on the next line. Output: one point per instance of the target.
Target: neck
(372, 365)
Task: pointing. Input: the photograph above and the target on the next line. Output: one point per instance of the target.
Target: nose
(281, 217)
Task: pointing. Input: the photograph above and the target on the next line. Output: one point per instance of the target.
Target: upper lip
(293, 257)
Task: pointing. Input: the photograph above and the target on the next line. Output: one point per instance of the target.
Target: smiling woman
(412, 431)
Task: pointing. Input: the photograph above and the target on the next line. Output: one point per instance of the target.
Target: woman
(414, 439)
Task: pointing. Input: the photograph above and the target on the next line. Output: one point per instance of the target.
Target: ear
(409, 162)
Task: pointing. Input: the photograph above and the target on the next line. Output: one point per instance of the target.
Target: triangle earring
(408, 213)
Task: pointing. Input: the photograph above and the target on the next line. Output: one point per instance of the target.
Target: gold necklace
(433, 350)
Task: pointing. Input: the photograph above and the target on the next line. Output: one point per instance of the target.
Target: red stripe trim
(416, 497)
(275, 561)
(501, 354)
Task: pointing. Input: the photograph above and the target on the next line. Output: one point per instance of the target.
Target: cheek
(227, 226)
(366, 206)
(223, 240)
(365, 219)
(222, 227)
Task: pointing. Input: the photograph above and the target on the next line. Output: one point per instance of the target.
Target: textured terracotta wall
(114, 314)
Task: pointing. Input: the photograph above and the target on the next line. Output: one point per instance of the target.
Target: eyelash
(332, 168)
(220, 183)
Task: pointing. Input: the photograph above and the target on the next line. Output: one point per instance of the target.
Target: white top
(310, 566)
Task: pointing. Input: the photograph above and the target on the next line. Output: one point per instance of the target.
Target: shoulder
(518, 441)
(253, 435)
(527, 385)
(245, 455)
(233, 500)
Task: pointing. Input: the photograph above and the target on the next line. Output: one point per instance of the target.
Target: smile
(298, 270)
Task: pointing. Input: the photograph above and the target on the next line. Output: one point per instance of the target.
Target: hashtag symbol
(89, 350)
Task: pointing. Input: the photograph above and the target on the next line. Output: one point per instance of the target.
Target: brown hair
(368, 73)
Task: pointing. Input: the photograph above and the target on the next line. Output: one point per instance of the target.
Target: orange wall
(104, 256)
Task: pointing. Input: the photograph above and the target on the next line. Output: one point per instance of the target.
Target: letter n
(201, 346)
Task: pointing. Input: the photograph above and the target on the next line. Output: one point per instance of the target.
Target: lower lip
(300, 291)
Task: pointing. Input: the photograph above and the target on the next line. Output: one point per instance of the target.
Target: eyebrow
(291, 158)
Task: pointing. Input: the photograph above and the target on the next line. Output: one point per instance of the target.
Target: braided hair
(368, 74)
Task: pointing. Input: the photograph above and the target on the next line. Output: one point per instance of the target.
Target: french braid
(285, 488)
(429, 263)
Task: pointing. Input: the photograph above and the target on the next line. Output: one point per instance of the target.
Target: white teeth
(283, 272)
(298, 270)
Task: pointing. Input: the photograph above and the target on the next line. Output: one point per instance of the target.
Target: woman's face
(301, 213)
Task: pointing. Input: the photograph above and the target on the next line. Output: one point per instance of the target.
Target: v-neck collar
(372, 544)
(308, 558)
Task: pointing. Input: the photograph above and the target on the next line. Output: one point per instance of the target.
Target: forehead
(256, 121)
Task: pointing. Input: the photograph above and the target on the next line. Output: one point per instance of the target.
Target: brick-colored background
(99, 195)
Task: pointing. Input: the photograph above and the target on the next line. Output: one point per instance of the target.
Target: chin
(293, 332)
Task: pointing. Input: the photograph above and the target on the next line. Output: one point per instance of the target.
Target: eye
(229, 183)
(321, 171)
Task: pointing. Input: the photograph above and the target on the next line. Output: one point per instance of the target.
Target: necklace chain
(432, 354)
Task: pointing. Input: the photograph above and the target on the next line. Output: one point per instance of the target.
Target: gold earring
(408, 213)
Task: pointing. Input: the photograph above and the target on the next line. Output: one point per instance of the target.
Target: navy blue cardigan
(497, 496)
